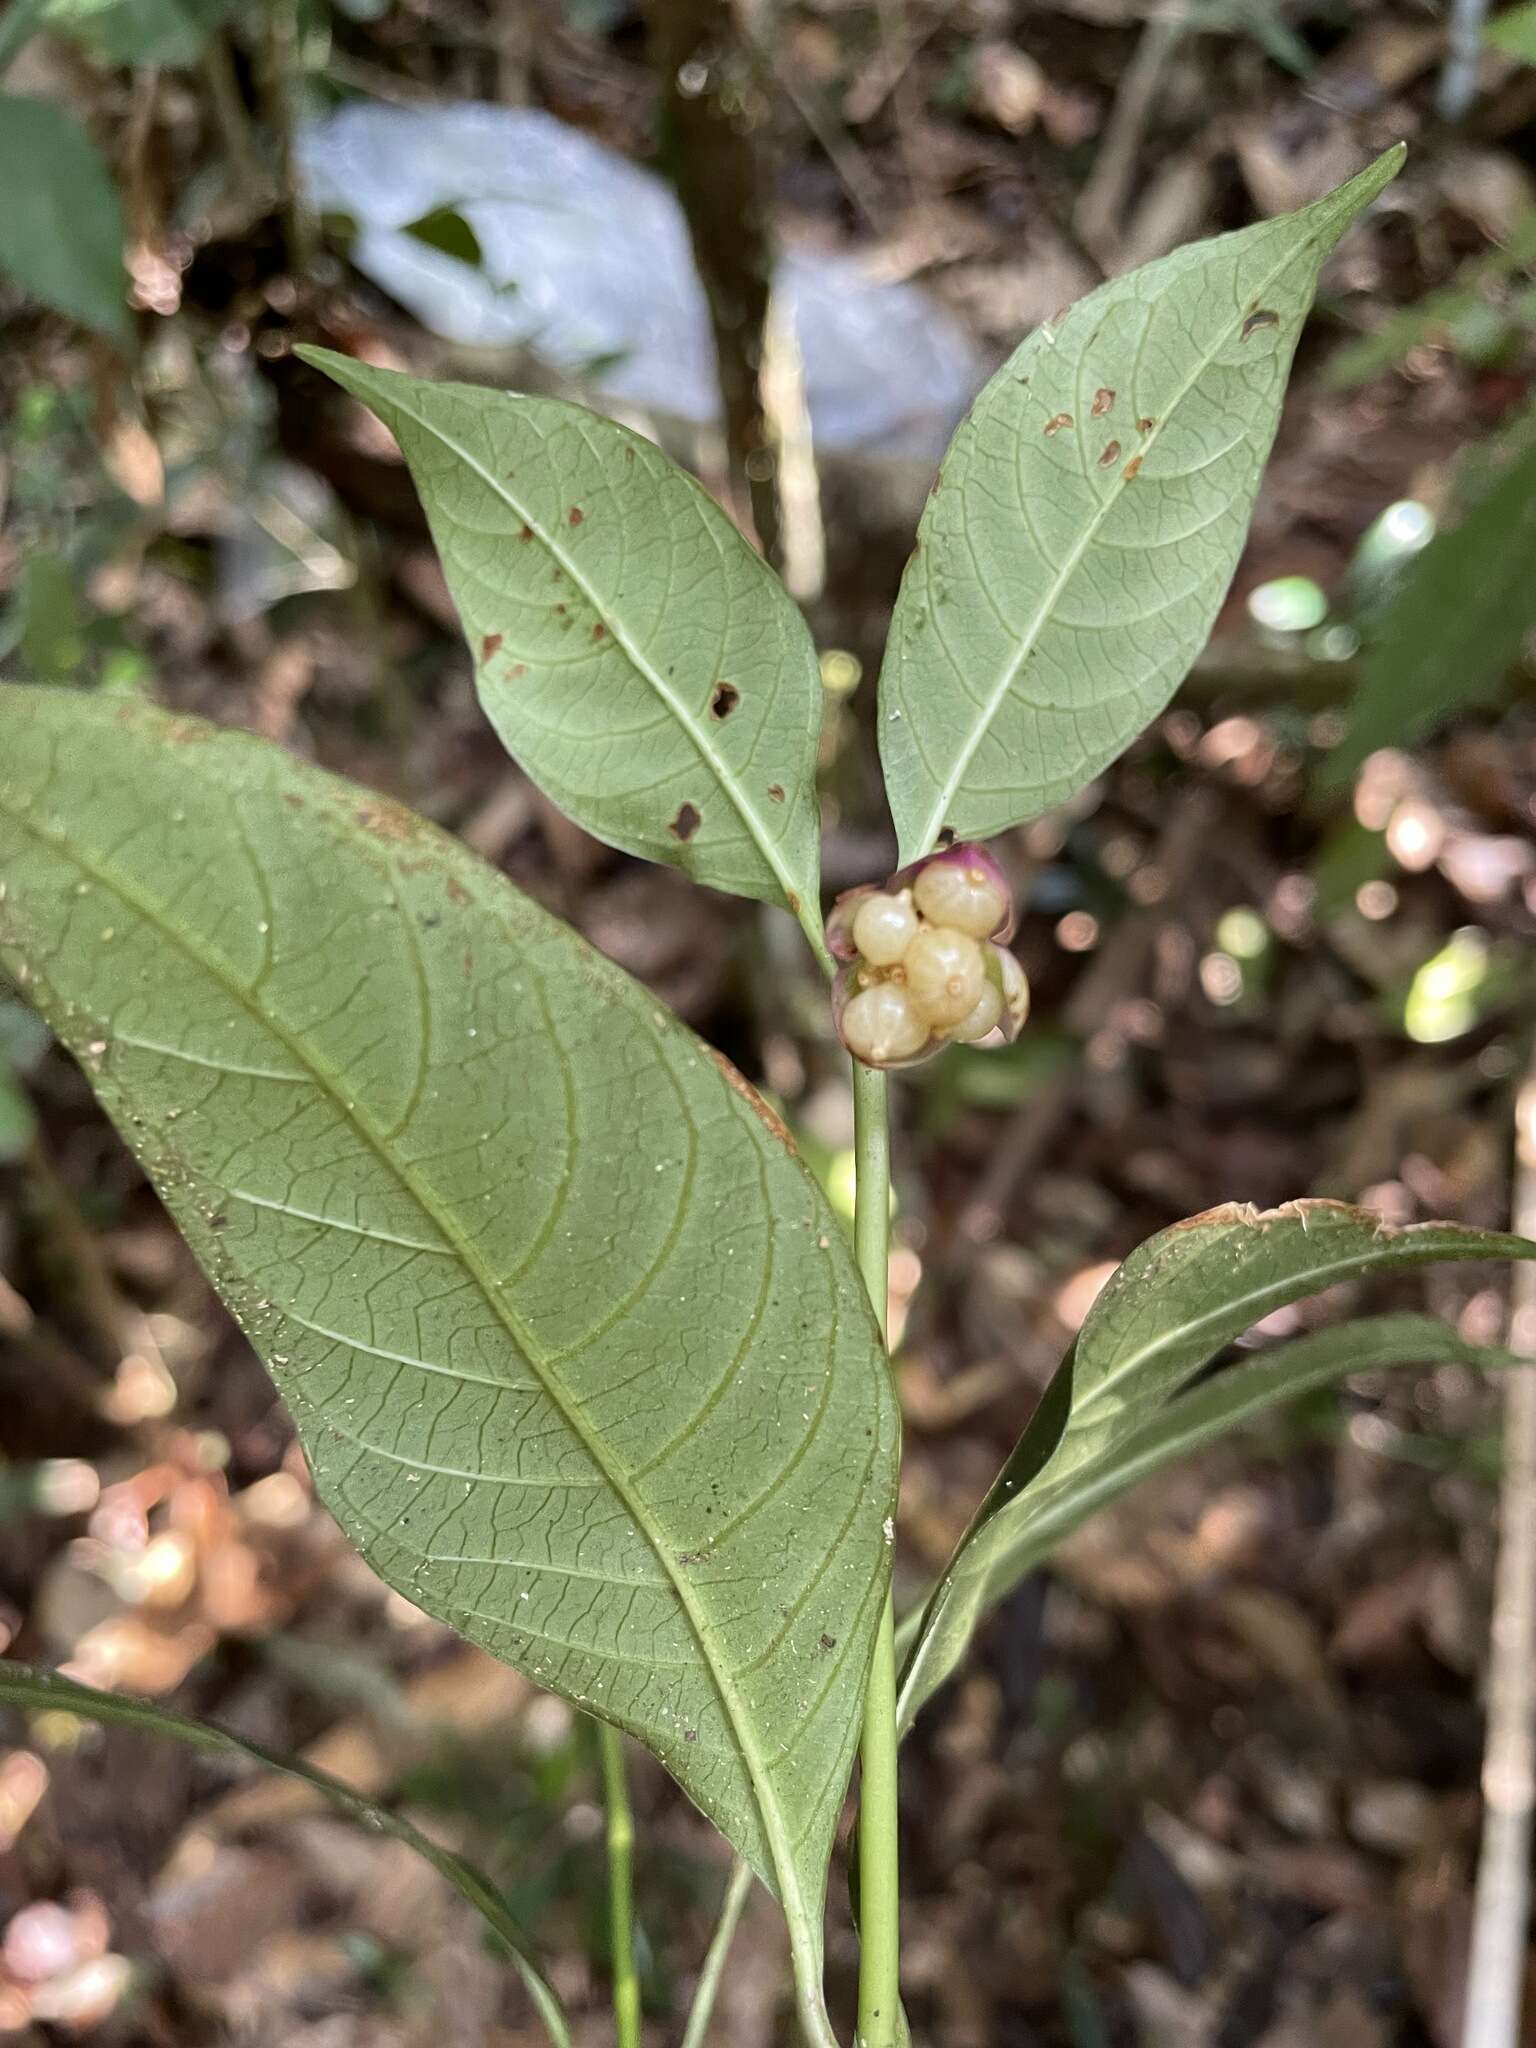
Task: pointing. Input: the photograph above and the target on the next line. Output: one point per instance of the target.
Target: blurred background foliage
(1212, 1781)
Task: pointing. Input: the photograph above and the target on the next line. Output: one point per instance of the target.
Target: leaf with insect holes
(1086, 523)
(49, 1692)
(643, 664)
(1110, 1412)
(61, 227)
(576, 1348)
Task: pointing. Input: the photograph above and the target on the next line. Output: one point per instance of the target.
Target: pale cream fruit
(884, 927)
(984, 1018)
(1015, 992)
(880, 1025)
(945, 975)
(967, 899)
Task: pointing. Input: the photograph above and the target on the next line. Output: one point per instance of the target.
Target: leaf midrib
(208, 963)
(795, 889)
(1009, 674)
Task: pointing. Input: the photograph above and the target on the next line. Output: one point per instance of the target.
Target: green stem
(621, 1908)
(879, 1870)
(702, 2011)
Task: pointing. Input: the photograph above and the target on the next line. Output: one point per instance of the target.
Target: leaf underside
(578, 1353)
(635, 655)
(1111, 1412)
(1086, 523)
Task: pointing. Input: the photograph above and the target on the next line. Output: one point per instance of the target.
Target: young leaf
(1453, 631)
(47, 1692)
(577, 1351)
(642, 663)
(1169, 1309)
(61, 227)
(1086, 524)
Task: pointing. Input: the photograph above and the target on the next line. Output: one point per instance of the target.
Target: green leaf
(577, 1351)
(172, 32)
(46, 1692)
(1176, 1302)
(1238, 1395)
(1086, 524)
(642, 663)
(61, 227)
(1454, 630)
(1514, 32)
(446, 229)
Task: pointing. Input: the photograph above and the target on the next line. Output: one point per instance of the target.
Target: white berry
(884, 927)
(964, 897)
(945, 975)
(880, 1025)
(1015, 991)
(989, 1007)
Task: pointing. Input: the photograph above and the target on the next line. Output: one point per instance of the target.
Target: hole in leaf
(1262, 318)
(725, 699)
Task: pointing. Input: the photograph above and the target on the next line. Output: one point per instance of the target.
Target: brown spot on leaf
(772, 1122)
(1263, 317)
(686, 823)
(776, 792)
(599, 630)
(827, 1643)
(457, 893)
(560, 608)
(1132, 467)
(518, 668)
(793, 900)
(575, 515)
(1055, 424)
(1145, 426)
(489, 645)
(294, 803)
(1110, 456)
(1103, 399)
(386, 820)
(724, 700)
(525, 533)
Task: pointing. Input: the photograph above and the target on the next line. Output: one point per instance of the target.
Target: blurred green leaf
(61, 227)
(1448, 640)
(1514, 32)
(447, 229)
(47, 1692)
(1451, 315)
(172, 32)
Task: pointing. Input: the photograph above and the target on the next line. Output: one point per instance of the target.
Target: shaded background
(1211, 1780)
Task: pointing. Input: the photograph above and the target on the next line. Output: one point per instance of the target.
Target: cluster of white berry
(924, 969)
